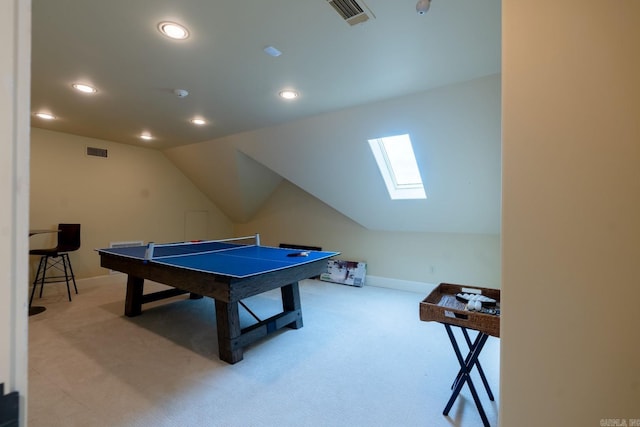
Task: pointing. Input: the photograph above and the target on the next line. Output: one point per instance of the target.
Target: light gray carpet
(363, 358)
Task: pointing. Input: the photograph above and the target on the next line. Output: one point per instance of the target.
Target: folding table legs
(480, 370)
(466, 365)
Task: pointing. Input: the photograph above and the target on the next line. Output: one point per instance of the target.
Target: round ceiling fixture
(81, 87)
(198, 121)
(288, 94)
(180, 93)
(45, 116)
(146, 136)
(173, 30)
(422, 6)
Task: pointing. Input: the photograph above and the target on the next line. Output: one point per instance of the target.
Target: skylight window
(398, 166)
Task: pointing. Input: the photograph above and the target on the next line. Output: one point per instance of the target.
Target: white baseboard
(104, 279)
(401, 285)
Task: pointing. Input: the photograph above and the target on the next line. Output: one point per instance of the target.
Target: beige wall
(293, 216)
(137, 194)
(571, 213)
(134, 194)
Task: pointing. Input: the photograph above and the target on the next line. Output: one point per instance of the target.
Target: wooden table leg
(291, 302)
(228, 325)
(133, 302)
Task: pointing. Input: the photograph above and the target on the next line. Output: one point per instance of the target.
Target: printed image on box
(345, 272)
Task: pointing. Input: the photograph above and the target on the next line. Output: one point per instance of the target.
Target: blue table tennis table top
(222, 258)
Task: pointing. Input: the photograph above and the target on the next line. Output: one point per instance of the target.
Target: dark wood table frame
(228, 293)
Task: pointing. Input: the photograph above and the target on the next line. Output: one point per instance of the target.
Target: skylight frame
(390, 169)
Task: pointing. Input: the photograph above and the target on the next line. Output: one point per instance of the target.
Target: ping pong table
(226, 271)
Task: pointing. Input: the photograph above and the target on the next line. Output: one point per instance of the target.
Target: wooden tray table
(442, 306)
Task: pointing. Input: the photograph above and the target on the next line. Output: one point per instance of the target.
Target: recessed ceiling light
(45, 116)
(173, 30)
(146, 136)
(288, 94)
(84, 88)
(199, 122)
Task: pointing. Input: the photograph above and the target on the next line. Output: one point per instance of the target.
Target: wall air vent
(97, 152)
(352, 11)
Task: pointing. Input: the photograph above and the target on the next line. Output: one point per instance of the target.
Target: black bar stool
(57, 258)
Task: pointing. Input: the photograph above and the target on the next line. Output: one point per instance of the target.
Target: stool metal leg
(44, 273)
(45, 265)
(66, 274)
(35, 281)
(73, 276)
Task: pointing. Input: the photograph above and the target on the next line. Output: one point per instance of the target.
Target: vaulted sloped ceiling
(237, 184)
(456, 136)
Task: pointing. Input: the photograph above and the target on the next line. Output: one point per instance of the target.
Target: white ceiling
(115, 46)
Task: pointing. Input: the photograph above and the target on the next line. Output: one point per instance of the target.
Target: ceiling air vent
(352, 11)
(97, 152)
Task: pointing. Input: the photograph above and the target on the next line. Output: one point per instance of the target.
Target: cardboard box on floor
(350, 273)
